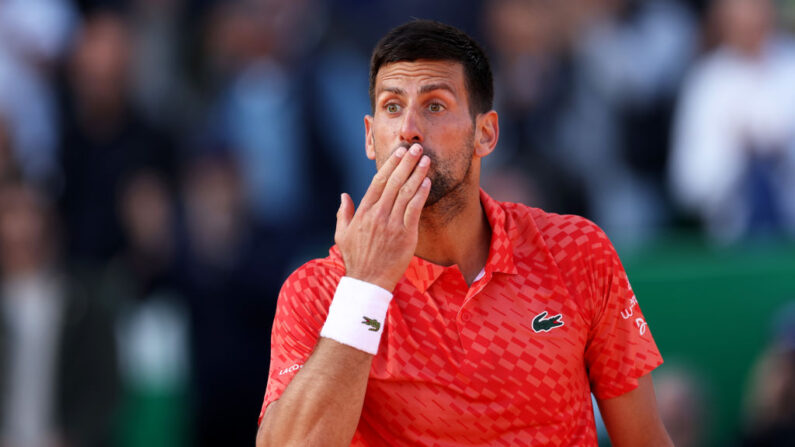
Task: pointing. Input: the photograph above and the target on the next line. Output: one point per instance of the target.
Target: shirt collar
(421, 273)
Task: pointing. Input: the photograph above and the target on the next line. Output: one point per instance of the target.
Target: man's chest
(508, 357)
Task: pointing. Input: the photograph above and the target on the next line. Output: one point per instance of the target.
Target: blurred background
(164, 164)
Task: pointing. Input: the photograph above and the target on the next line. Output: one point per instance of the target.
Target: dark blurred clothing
(85, 368)
(529, 140)
(94, 165)
(781, 435)
(231, 307)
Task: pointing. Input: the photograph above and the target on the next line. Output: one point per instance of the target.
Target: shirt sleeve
(620, 346)
(301, 310)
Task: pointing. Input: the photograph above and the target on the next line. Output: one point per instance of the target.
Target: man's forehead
(420, 72)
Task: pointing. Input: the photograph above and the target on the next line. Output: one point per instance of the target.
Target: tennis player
(442, 317)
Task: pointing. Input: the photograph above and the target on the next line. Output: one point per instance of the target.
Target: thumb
(344, 215)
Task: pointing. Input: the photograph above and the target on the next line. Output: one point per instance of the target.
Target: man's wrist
(357, 314)
(380, 281)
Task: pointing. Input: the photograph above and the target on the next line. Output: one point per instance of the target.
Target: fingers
(380, 179)
(344, 216)
(399, 176)
(411, 217)
(410, 187)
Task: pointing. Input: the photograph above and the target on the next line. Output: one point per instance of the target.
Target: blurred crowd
(164, 164)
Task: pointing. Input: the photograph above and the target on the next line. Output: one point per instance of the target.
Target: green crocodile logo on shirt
(374, 324)
(546, 324)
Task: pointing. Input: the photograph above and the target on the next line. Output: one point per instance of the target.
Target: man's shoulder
(553, 225)
(563, 235)
(550, 225)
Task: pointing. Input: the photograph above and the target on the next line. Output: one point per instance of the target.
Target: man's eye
(435, 107)
(392, 108)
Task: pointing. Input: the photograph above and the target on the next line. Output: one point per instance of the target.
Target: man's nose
(410, 127)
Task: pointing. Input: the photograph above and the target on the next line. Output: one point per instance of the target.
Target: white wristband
(357, 314)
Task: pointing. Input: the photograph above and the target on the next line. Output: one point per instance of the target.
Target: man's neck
(456, 233)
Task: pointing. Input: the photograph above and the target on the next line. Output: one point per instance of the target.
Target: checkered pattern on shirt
(461, 365)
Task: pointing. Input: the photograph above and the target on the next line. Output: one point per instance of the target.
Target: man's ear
(369, 142)
(487, 132)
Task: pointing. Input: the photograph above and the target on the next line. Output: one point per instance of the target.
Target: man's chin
(435, 195)
(430, 204)
(447, 196)
(444, 197)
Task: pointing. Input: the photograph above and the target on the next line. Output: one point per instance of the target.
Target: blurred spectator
(230, 274)
(340, 78)
(58, 369)
(733, 160)
(533, 80)
(629, 58)
(147, 217)
(261, 112)
(33, 35)
(104, 138)
(366, 20)
(683, 405)
(585, 90)
(9, 169)
(771, 397)
(153, 327)
(159, 85)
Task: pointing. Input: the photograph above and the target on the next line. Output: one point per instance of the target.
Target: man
(58, 364)
(443, 317)
(732, 162)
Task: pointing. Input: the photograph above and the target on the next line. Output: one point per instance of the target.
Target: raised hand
(378, 240)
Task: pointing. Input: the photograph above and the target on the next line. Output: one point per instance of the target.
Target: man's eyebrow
(423, 90)
(394, 90)
(436, 86)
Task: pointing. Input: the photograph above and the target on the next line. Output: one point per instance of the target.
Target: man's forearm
(323, 402)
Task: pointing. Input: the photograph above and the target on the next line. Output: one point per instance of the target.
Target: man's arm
(322, 404)
(632, 419)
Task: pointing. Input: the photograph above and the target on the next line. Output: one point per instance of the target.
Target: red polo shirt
(510, 360)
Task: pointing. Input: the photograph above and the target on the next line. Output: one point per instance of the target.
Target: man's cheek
(380, 159)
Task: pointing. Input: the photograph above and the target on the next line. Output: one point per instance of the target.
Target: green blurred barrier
(712, 310)
(153, 418)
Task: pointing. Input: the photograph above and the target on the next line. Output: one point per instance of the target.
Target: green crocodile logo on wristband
(375, 326)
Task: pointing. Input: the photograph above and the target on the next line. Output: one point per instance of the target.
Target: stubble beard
(447, 185)
(446, 197)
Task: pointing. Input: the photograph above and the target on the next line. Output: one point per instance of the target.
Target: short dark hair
(428, 39)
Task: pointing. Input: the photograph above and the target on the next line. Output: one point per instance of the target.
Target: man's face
(424, 102)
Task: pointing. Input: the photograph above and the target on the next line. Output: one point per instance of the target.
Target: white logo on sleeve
(641, 324)
(293, 368)
(626, 313)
